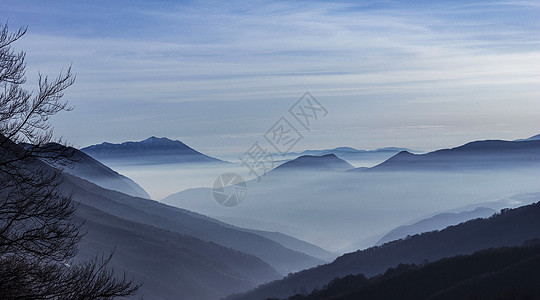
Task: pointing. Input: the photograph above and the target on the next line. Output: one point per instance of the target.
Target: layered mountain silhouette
(169, 264)
(511, 227)
(85, 167)
(345, 211)
(437, 222)
(352, 154)
(327, 162)
(153, 150)
(175, 253)
(153, 213)
(92, 170)
(349, 150)
(479, 155)
(295, 244)
(184, 255)
(499, 273)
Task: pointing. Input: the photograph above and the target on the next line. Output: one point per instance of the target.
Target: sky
(218, 74)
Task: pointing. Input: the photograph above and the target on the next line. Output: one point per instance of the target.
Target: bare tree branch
(38, 231)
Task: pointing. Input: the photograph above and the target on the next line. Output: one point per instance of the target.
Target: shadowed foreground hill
(175, 253)
(501, 273)
(182, 221)
(146, 211)
(168, 264)
(509, 228)
(157, 251)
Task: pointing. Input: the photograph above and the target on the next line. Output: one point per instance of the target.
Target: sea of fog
(339, 211)
(162, 180)
(346, 211)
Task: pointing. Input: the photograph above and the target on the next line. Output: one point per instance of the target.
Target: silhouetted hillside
(170, 265)
(509, 273)
(508, 228)
(437, 222)
(185, 222)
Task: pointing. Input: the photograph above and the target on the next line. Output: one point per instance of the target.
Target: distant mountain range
(479, 155)
(345, 211)
(151, 151)
(511, 227)
(361, 157)
(349, 150)
(180, 254)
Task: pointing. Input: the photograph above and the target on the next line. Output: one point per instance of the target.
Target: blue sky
(218, 74)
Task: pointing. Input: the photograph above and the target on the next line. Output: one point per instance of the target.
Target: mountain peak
(153, 150)
(162, 140)
(327, 162)
(154, 138)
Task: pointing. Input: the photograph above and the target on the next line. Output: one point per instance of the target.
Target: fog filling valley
(338, 211)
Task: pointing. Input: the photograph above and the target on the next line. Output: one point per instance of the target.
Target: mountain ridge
(152, 150)
(511, 227)
(436, 222)
(532, 138)
(185, 222)
(477, 155)
(495, 273)
(345, 149)
(327, 162)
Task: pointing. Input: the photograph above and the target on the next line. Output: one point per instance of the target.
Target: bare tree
(38, 232)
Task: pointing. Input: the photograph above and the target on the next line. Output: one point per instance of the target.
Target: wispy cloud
(272, 51)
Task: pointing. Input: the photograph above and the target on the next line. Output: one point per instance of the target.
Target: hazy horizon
(263, 198)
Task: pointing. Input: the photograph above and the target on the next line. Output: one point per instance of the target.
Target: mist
(342, 211)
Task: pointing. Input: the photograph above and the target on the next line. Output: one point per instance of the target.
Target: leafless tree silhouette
(38, 232)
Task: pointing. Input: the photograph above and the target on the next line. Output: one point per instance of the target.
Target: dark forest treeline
(499, 273)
